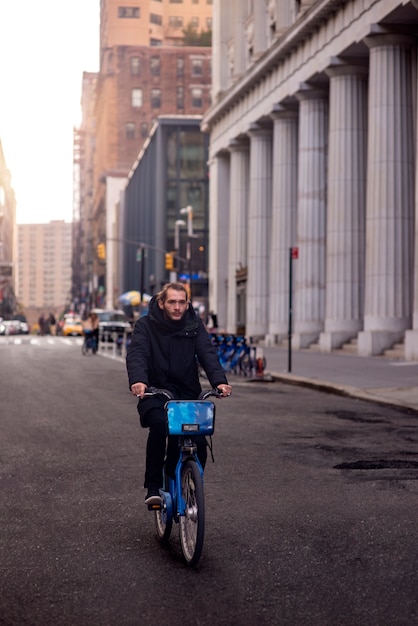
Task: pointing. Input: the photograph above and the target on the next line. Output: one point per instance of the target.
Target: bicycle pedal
(155, 507)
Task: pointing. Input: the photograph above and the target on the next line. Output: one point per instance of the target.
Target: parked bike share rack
(239, 357)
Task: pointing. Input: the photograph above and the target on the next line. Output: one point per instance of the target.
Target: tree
(194, 38)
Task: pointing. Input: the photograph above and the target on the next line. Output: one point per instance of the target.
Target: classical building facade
(313, 153)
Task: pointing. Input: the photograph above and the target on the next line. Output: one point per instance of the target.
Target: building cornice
(297, 34)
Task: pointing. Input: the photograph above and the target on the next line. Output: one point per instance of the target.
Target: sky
(45, 45)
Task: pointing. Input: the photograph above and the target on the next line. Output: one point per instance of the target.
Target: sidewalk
(376, 379)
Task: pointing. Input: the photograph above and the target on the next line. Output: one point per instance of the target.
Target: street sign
(295, 253)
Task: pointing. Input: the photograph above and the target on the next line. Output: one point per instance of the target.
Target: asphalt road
(312, 505)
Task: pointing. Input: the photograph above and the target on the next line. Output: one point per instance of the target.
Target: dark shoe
(153, 497)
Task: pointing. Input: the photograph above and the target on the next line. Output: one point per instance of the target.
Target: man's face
(175, 305)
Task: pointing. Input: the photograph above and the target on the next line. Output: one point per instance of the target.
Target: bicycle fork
(188, 451)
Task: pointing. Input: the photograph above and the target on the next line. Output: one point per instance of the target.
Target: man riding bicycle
(167, 346)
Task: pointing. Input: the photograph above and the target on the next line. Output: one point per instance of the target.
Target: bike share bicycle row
(238, 356)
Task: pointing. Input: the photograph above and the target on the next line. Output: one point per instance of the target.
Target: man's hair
(162, 295)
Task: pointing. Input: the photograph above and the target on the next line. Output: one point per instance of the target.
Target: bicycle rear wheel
(192, 523)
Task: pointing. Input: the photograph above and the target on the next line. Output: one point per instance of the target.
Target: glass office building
(169, 175)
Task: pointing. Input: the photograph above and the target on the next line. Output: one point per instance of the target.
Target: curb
(341, 390)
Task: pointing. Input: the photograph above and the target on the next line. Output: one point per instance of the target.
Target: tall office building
(44, 268)
(152, 63)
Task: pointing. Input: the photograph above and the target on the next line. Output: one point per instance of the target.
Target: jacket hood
(188, 322)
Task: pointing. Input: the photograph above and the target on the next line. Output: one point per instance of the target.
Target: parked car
(112, 321)
(72, 326)
(24, 326)
(13, 327)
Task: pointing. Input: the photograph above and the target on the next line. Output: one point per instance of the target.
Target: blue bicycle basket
(190, 417)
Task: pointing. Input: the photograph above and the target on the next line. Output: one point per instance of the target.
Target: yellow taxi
(72, 326)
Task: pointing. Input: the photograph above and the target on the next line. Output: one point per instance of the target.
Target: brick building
(145, 72)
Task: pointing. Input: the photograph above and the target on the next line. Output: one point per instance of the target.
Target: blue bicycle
(182, 496)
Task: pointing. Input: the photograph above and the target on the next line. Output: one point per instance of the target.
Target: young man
(166, 346)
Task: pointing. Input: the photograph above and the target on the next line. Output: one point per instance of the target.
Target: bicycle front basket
(190, 417)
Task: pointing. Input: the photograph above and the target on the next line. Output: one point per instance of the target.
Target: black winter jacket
(164, 353)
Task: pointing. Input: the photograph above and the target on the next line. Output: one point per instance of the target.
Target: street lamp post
(177, 225)
(140, 257)
(188, 210)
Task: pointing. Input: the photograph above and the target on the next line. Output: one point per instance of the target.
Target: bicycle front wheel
(192, 523)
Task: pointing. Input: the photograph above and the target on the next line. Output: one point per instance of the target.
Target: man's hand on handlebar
(138, 389)
(225, 390)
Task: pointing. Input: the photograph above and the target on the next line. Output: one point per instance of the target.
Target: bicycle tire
(164, 518)
(192, 523)
(246, 364)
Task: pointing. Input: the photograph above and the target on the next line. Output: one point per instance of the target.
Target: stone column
(239, 41)
(219, 235)
(238, 223)
(411, 336)
(309, 298)
(284, 14)
(260, 27)
(346, 205)
(283, 222)
(259, 219)
(390, 195)
(220, 26)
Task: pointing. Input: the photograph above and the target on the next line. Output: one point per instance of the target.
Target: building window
(180, 67)
(176, 21)
(144, 129)
(155, 42)
(197, 98)
(128, 12)
(180, 97)
(209, 2)
(209, 23)
(195, 1)
(135, 66)
(156, 19)
(155, 66)
(156, 98)
(136, 97)
(197, 67)
(194, 22)
(130, 130)
(176, 1)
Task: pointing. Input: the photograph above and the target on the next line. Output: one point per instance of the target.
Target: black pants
(155, 420)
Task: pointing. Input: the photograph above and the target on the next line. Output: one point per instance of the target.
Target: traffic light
(101, 251)
(169, 261)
